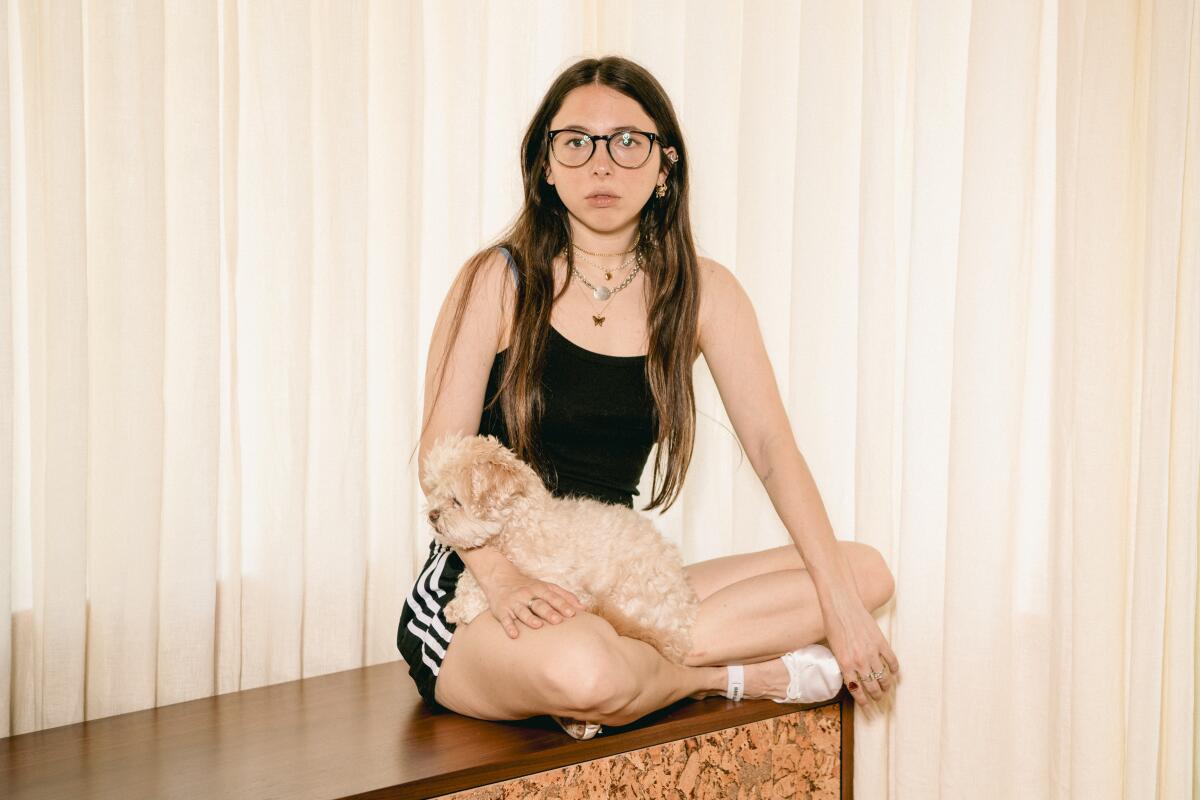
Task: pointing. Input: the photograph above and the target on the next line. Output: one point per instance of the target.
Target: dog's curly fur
(613, 558)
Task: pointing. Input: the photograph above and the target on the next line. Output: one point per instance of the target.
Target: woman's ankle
(766, 679)
(711, 682)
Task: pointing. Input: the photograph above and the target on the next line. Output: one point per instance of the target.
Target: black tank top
(598, 424)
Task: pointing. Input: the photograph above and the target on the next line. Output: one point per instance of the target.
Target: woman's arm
(457, 404)
(737, 358)
(734, 350)
(458, 407)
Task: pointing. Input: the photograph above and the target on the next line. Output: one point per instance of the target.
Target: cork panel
(795, 755)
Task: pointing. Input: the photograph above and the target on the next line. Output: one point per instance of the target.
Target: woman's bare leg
(581, 668)
(783, 603)
(578, 668)
(709, 577)
(785, 612)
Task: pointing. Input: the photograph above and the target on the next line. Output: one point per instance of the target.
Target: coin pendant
(601, 293)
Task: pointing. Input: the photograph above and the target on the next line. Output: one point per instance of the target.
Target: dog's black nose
(433, 516)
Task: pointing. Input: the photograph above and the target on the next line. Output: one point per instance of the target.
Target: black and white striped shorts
(424, 634)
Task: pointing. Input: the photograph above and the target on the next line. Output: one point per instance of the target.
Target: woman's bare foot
(766, 679)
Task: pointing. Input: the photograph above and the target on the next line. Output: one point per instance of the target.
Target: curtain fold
(1161, 621)
(990, 370)
(970, 232)
(122, 305)
(50, 400)
(8, 413)
(188, 568)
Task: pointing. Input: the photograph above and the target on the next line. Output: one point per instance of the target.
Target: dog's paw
(676, 645)
(469, 600)
(472, 604)
(463, 610)
(454, 611)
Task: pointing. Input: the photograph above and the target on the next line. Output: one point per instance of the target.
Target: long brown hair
(542, 231)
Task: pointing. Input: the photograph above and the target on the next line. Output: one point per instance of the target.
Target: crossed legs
(582, 668)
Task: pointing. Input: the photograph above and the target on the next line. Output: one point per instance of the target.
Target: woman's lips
(601, 200)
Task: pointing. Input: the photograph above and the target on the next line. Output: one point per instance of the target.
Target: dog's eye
(455, 501)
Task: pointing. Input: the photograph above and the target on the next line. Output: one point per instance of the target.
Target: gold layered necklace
(604, 293)
(608, 271)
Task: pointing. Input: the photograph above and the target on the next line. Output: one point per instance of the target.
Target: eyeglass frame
(607, 137)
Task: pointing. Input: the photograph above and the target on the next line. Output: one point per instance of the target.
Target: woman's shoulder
(714, 278)
(501, 255)
(721, 296)
(712, 270)
(494, 270)
(486, 277)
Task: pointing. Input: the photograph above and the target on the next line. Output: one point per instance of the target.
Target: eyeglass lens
(627, 148)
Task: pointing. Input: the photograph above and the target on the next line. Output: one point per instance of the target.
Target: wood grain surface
(362, 733)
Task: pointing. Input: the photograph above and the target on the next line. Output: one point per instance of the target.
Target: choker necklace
(609, 255)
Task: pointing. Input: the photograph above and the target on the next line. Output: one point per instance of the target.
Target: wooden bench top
(362, 733)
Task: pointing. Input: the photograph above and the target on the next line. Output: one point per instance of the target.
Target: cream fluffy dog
(610, 556)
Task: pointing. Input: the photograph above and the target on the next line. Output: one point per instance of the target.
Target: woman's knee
(878, 583)
(588, 674)
(480, 658)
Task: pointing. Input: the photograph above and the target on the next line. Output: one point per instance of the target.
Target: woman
(581, 329)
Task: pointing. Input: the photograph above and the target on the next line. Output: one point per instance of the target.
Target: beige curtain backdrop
(971, 231)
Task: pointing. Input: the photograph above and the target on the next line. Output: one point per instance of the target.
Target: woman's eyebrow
(577, 127)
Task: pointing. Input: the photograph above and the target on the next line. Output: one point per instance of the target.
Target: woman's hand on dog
(514, 596)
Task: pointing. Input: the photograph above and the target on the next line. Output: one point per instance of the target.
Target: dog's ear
(504, 476)
(445, 450)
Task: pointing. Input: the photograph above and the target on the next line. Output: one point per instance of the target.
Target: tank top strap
(512, 265)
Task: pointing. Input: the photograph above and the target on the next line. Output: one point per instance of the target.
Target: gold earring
(661, 191)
